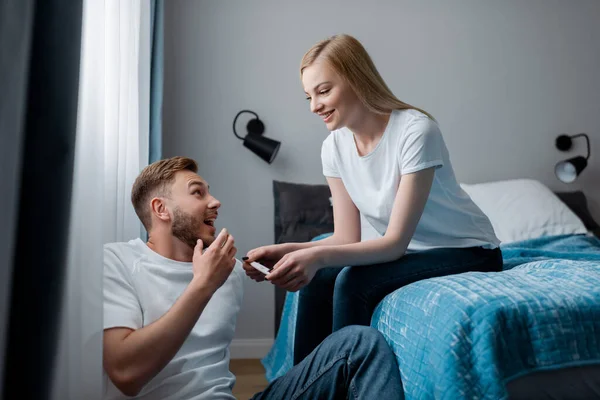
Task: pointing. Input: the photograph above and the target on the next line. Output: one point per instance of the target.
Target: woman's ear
(159, 209)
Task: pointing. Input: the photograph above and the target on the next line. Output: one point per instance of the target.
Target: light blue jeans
(352, 363)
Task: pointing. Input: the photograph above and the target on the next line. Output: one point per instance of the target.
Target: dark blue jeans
(352, 363)
(339, 297)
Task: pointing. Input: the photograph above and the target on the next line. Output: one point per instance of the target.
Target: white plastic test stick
(260, 267)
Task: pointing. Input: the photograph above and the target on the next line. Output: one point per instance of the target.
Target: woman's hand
(267, 256)
(296, 269)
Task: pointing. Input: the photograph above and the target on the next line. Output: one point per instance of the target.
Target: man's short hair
(156, 180)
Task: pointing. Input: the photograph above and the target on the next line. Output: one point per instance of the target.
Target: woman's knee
(348, 282)
(323, 283)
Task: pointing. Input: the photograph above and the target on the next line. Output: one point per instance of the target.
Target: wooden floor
(250, 376)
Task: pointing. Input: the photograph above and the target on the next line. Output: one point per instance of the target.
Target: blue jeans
(352, 363)
(339, 297)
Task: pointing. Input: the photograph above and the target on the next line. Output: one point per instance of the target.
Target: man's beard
(186, 227)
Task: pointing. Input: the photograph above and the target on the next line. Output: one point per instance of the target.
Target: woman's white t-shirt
(140, 286)
(411, 142)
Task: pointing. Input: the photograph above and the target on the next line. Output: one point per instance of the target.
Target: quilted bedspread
(467, 335)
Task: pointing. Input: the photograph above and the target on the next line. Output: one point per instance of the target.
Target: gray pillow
(577, 202)
(302, 211)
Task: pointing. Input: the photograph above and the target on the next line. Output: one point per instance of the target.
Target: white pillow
(522, 209)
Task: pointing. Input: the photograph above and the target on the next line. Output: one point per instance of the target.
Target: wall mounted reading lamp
(260, 145)
(568, 170)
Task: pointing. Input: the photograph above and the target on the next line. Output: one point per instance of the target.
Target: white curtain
(111, 149)
(127, 112)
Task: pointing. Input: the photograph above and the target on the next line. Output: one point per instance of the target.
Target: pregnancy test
(260, 267)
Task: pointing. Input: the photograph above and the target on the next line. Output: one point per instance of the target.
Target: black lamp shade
(568, 170)
(262, 146)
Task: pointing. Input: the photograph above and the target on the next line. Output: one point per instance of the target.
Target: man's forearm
(146, 351)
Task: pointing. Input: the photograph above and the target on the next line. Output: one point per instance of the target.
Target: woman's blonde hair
(350, 60)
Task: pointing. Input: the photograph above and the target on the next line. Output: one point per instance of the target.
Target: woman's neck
(368, 130)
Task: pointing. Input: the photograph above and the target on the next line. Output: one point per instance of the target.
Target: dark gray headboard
(302, 211)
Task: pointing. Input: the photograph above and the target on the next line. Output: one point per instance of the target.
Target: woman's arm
(409, 203)
(346, 221)
(296, 269)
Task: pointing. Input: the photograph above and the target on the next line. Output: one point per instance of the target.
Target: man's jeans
(339, 297)
(353, 363)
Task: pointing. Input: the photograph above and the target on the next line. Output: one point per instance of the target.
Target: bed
(531, 331)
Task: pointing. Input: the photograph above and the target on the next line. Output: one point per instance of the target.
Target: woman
(399, 213)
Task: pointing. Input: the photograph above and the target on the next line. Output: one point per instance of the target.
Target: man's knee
(363, 336)
(360, 344)
(368, 345)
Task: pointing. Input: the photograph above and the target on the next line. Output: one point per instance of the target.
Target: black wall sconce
(262, 146)
(568, 170)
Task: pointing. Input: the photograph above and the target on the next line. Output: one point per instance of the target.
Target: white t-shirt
(140, 286)
(411, 142)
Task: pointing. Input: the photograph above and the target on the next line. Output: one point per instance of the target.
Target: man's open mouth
(210, 222)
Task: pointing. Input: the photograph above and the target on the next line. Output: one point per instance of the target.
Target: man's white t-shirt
(140, 286)
(411, 142)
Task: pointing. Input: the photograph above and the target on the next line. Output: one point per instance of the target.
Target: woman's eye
(308, 98)
(324, 91)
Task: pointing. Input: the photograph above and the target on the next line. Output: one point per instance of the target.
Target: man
(170, 307)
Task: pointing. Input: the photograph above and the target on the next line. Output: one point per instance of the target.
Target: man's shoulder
(122, 247)
(125, 254)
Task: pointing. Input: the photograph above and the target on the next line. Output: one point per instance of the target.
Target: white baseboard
(250, 348)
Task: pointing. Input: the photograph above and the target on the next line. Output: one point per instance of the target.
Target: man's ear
(159, 209)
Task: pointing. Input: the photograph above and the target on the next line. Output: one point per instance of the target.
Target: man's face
(194, 210)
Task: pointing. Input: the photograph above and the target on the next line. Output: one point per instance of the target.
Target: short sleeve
(121, 305)
(328, 158)
(422, 147)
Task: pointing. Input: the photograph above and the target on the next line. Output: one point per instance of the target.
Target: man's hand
(267, 256)
(213, 266)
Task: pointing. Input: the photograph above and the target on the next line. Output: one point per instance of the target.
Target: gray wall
(503, 78)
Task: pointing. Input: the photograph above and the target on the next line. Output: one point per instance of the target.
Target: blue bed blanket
(467, 335)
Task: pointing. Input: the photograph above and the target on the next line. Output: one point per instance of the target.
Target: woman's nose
(315, 106)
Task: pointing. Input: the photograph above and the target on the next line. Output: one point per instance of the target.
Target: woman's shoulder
(412, 116)
(409, 122)
(338, 137)
(329, 144)
(329, 140)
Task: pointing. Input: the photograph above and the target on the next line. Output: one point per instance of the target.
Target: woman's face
(331, 98)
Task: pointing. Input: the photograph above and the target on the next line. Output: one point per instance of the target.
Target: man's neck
(168, 246)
